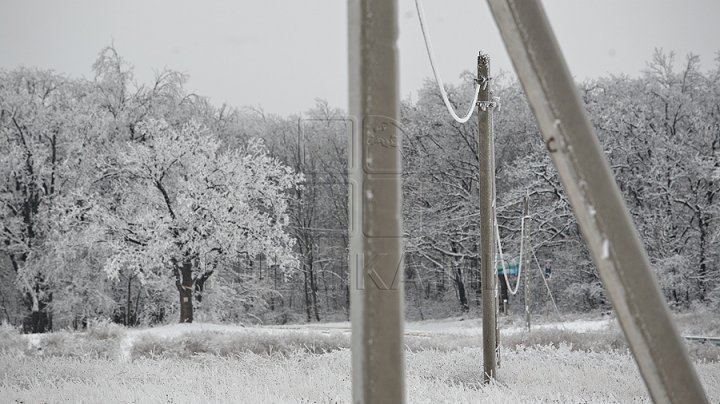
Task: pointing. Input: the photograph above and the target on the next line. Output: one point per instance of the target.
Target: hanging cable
(438, 80)
(511, 290)
(552, 299)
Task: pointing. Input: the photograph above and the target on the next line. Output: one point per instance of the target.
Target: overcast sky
(282, 54)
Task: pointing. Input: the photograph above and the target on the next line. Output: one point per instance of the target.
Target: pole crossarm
(606, 225)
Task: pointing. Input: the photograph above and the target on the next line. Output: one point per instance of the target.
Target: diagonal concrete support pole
(599, 208)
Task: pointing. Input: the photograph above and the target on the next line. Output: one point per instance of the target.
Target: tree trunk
(307, 296)
(462, 296)
(128, 303)
(702, 278)
(504, 296)
(459, 280)
(38, 321)
(200, 284)
(418, 293)
(347, 300)
(186, 306)
(137, 306)
(313, 292)
(184, 284)
(327, 291)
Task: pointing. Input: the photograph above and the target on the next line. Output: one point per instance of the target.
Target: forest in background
(143, 204)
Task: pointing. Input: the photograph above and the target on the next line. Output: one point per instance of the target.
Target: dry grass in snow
(202, 363)
(537, 375)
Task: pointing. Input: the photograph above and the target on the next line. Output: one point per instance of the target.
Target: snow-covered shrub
(151, 346)
(61, 344)
(11, 342)
(79, 345)
(283, 315)
(585, 296)
(105, 330)
(699, 321)
(576, 341)
(232, 344)
(441, 343)
(714, 298)
(704, 352)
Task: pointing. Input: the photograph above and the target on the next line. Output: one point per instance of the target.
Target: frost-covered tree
(314, 144)
(660, 132)
(176, 203)
(163, 192)
(40, 133)
(441, 196)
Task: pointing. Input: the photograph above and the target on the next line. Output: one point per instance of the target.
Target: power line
(542, 274)
(512, 290)
(438, 79)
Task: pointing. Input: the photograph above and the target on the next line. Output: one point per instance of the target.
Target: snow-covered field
(536, 374)
(436, 328)
(456, 326)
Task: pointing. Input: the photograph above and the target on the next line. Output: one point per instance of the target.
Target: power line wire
(438, 79)
(542, 274)
(512, 290)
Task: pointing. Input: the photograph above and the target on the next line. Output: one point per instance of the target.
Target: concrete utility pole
(526, 260)
(375, 204)
(486, 156)
(606, 225)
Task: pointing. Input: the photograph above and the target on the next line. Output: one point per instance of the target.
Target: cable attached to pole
(511, 290)
(542, 274)
(482, 81)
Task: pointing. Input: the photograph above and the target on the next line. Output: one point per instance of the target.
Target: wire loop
(512, 290)
(438, 80)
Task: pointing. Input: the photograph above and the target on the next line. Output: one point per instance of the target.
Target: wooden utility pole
(486, 157)
(607, 227)
(526, 260)
(375, 219)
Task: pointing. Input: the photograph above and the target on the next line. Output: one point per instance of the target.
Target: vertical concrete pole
(526, 260)
(486, 157)
(376, 305)
(605, 222)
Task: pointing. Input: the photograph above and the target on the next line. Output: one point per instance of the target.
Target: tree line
(144, 204)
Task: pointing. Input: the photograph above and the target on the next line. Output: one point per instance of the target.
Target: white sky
(282, 54)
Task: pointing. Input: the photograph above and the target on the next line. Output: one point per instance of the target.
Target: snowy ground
(532, 375)
(452, 326)
(439, 328)
(457, 326)
(433, 375)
